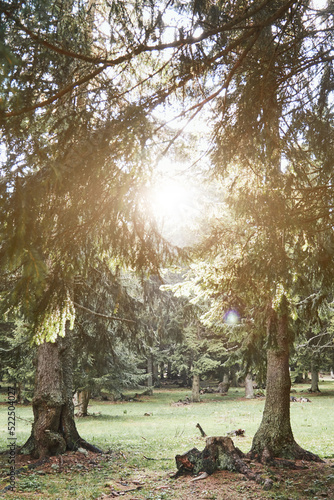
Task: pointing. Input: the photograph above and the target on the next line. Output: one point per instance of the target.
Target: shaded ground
(87, 475)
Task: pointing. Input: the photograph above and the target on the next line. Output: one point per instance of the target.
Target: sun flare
(173, 200)
(169, 200)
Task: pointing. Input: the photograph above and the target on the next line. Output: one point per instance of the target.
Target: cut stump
(218, 454)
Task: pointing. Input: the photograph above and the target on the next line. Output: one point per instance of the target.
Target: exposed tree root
(286, 458)
(29, 447)
(88, 446)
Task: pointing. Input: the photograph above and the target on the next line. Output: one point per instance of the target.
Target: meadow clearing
(141, 438)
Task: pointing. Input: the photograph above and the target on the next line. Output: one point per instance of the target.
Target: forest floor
(100, 477)
(141, 438)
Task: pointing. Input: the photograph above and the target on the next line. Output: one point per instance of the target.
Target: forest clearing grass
(150, 442)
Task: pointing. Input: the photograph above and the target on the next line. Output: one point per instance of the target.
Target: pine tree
(258, 259)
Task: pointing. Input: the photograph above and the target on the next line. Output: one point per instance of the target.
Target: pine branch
(57, 96)
(140, 49)
(105, 316)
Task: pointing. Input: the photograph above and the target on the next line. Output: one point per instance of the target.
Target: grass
(169, 430)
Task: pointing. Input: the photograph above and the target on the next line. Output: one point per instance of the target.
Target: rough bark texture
(249, 389)
(54, 430)
(274, 437)
(195, 398)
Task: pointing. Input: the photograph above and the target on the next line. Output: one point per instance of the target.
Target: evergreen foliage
(17, 358)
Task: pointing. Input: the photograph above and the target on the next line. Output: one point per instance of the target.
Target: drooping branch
(141, 48)
(105, 316)
(55, 97)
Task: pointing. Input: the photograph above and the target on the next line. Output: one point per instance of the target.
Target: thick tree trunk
(249, 390)
(274, 438)
(195, 389)
(54, 430)
(314, 377)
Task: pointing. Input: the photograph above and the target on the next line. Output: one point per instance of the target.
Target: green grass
(172, 429)
(169, 430)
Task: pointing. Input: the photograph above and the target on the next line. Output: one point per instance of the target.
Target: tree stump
(218, 454)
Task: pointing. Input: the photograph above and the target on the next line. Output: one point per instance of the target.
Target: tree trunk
(249, 390)
(195, 389)
(155, 373)
(150, 370)
(54, 430)
(19, 390)
(224, 386)
(314, 377)
(81, 403)
(232, 378)
(274, 438)
(169, 370)
(162, 371)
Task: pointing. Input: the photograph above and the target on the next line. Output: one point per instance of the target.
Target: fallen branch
(201, 430)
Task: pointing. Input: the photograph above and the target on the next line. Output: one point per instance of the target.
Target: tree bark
(155, 373)
(314, 377)
(150, 370)
(274, 438)
(224, 386)
(81, 403)
(20, 390)
(54, 430)
(169, 370)
(249, 390)
(195, 398)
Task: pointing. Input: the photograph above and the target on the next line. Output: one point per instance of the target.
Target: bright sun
(173, 200)
(170, 199)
